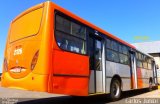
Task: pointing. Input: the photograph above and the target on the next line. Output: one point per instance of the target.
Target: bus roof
(90, 24)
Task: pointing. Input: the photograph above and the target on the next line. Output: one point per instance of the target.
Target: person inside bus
(64, 44)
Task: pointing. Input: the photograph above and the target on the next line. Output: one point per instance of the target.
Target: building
(152, 48)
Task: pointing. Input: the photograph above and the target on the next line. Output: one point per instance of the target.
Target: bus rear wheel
(115, 90)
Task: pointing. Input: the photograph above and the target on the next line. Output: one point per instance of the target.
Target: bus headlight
(34, 60)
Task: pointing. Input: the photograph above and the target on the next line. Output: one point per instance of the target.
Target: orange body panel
(70, 74)
(74, 64)
(70, 85)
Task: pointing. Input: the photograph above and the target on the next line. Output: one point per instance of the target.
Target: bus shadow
(133, 93)
(96, 99)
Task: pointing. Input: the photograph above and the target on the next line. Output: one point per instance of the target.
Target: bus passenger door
(133, 70)
(96, 82)
(154, 72)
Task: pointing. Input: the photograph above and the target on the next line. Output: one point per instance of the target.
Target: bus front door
(96, 83)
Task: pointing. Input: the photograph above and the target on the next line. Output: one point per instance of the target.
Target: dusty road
(25, 97)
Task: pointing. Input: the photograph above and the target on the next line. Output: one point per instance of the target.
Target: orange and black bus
(52, 50)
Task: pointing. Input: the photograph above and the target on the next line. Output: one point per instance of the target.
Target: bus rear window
(27, 25)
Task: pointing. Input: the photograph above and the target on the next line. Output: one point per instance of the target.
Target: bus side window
(120, 48)
(70, 36)
(114, 45)
(63, 24)
(108, 45)
(125, 50)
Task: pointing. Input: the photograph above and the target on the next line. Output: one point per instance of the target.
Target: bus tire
(115, 90)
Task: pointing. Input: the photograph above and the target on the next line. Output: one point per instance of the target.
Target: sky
(131, 20)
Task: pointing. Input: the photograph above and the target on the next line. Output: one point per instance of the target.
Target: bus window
(123, 59)
(143, 57)
(98, 55)
(139, 64)
(63, 24)
(149, 60)
(70, 43)
(149, 66)
(70, 36)
(78, 30)
(114, 45)
(108, 45)
(149, 63)
(125, 50)
(120, 48)
(112, 55)
(139, 56)
(136, 55)
(145, 65)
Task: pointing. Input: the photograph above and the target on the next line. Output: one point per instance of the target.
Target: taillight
(34, 60)
(5, 65)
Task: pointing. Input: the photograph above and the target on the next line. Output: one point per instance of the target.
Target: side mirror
(157, 66)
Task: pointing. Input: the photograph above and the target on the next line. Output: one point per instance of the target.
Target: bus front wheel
(115, 90)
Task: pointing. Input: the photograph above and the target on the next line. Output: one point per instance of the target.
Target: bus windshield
(26, 25)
